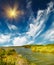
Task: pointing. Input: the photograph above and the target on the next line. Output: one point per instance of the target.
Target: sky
(25, 22)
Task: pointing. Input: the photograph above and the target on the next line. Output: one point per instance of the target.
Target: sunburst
(12, 12)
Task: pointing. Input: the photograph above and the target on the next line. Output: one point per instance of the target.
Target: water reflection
(37, 58)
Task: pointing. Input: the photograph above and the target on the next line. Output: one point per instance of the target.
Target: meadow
(27, 55)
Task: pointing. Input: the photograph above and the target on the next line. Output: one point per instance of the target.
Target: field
(27, 55)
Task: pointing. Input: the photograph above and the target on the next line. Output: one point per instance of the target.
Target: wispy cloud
(38, 23)
(49, 34)
(36, 27)
(28, 4)
(12, 27)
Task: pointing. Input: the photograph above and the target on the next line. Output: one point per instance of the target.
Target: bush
(2, 52)
(11, 51)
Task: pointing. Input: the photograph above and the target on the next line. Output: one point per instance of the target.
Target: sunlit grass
(44, 48)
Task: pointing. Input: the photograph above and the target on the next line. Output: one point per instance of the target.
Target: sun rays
(12, 12)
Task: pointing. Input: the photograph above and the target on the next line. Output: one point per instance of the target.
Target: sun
(12, 12)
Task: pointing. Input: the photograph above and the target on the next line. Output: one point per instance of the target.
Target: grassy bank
(43, 48)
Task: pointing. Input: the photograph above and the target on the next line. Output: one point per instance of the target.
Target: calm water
(38, 58)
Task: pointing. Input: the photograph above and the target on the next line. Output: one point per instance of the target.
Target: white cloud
(30, 42)
(39, 32)
(49, 34)
(19, 41)
(4, 38)
(34, 29)
(38, 23)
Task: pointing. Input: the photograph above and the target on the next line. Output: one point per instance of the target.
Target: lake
(35, 57)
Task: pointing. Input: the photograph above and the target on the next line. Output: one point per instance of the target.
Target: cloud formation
(12, 27)
(19, 41)
(4, 38)
(49, 34)
(35, 30)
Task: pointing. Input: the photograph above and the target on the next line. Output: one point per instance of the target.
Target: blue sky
(34, 26)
